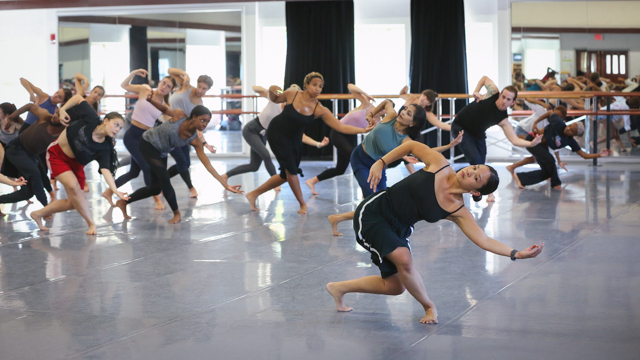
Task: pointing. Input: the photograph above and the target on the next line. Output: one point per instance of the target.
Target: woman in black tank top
(285, 134)
(384, 221)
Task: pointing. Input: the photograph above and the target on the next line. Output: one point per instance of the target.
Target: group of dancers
(73, 135)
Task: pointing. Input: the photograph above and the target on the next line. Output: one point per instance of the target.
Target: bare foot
(277, 189)
(159, 204)
(123, 206)
(332, 288)
(193, 193)
(92, 230)
(557, 187)
(108, 194)
(333, 219)
(311, 183)
(491, 198)
(303, 210)
(176, 217)
(38, 219)
(252, 200)
(511, 169)
(431, 317)
(517, 180)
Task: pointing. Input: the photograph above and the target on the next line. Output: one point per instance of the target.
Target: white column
(27, 51)
(109, 60)
(206, 55)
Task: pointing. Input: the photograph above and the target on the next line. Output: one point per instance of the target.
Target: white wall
(630, 42)
(75, 59)
(37, 59)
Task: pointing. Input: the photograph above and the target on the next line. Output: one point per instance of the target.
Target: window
(378, 71)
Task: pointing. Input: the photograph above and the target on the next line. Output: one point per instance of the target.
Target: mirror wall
(578, 38)
(104, 49)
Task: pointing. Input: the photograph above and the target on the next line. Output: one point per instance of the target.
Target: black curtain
(155, 70)
(138, 53)
(438, 53)
(320, 38)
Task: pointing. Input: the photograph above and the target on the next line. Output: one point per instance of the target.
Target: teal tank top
(382, 139)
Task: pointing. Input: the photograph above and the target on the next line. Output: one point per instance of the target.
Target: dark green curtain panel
(438, 52)
(320, 38)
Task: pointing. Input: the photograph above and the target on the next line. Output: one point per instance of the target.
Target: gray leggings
(259, 152)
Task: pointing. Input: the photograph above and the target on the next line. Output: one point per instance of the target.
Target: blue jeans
(361, 163)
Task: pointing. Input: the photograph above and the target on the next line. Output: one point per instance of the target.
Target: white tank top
(268, 113)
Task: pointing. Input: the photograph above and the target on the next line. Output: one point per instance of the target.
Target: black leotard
(285, 137)
(414, 199)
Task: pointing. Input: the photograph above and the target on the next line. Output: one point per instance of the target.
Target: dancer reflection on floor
(385, 221)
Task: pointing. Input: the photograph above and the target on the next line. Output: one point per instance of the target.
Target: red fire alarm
(52, 37)
(598, 36)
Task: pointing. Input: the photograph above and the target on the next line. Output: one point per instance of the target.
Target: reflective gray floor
(228, 283)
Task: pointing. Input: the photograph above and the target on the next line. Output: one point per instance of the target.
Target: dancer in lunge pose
(186, 97)
(156, 143)
(488, 110)
(144, 118)
(556, 136)
(84, 140)
(285, 134)
(385, 221)
(345, 144)
(255, 134)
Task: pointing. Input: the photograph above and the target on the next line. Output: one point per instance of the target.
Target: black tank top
(414, 199)
(290, 122)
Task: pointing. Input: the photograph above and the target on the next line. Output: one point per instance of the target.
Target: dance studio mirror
(576, 37)
(105, 48)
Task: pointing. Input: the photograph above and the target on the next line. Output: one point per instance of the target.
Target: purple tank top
(357, 118)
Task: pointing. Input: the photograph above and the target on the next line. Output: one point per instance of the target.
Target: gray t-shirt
(182, 101)
(167, 136)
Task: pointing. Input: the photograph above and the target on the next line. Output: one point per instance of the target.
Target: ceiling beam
(122, 20)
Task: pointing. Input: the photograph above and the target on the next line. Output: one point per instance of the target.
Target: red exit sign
(598, 36)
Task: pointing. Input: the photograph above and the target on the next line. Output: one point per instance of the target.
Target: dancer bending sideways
(84, 140)
(385, 221)
(156, 143)
(426, 99)
(144, 117)
(477, 117)
(345, 144)
(285, 134)
(255, 134)
(556, 136)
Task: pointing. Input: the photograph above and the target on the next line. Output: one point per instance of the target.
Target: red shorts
(58, 162)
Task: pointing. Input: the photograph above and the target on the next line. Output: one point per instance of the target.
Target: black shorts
(380, 232)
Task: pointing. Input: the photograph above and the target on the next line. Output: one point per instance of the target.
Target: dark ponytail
(419, 119)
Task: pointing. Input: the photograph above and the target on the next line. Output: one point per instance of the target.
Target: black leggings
(183, 161)
(345, 145)
(160, 179)
(29, 167)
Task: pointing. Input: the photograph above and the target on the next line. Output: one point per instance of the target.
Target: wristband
(513, 254)
(318, 145)
(385, 164)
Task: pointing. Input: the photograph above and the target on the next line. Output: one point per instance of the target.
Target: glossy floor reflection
(228, 283)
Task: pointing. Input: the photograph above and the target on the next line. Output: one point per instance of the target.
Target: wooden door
(610, 64)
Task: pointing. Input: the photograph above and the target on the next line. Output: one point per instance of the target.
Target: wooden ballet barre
(582, 112)
(233, 112)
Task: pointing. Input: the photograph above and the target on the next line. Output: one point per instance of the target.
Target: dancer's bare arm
(36, 95)
(319, 144)
(465, 221)
(360, 95)
(181, 78)
(328, 118)
(386, 105)
(514, 139)
(261, 91)
(138, 89)
(433, 120)
(488, 84)
(176, 114)
(108, 177)
(82, 84)
(278, 96)
(204, 159)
